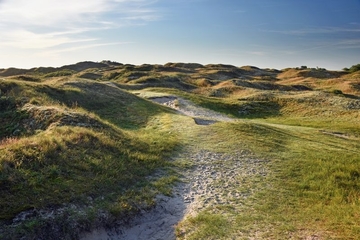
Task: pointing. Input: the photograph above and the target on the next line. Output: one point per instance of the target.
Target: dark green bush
(354, 68)
(6, 103)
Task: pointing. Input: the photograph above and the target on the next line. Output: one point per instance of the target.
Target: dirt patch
(202, 116)
(169, 101)
(157, 223)
(218, 178)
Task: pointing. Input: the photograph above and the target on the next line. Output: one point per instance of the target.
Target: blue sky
(262, 33)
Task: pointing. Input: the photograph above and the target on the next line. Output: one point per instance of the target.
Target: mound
(13, 71)
(81, 66)
(26, 78)
(309, 73)
(41, 118)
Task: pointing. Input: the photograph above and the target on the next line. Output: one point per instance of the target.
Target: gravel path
(214, 179)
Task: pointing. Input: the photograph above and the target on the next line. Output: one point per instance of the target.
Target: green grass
(206, 226)
(70, 164)
(310, 143)
(106, 168)
(313, 186)
(313, 149)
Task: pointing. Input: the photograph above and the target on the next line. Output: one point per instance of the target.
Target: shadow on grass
(351, 96)
(108, 102)
(247, 110)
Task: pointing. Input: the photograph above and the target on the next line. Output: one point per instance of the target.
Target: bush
(6, 103)
(354, 68)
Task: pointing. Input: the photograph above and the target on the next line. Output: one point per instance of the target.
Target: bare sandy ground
(158, 223)
(213, 180)
(202, 116)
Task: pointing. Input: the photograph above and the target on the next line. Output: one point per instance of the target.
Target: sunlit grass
(205, 226)
(105, 168)
(309, 139)
(313, 187)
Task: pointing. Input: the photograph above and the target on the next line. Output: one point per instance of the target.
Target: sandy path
(213, 180)
(188, 108)
(158, 223)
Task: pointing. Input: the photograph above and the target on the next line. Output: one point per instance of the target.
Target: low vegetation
(79, 149)
(81, 144)
(353, 68)
(312, 191)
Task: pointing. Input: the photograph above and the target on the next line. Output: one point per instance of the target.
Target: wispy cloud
(331, 45)
(86, 46)
(26, 39)
(42, 24)
(306, 31)
(349, 44)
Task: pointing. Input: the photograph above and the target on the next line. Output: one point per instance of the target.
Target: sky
(263, 33)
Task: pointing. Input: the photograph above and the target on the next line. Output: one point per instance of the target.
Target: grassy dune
(312, 189)
(78, 142)
(314, 183)
(78, 139)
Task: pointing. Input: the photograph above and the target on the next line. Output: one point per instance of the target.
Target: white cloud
(41, 24)
(27, 39)
(48, 12)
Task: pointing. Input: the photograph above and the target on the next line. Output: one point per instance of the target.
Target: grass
(207, 226)
(313, 188)
(106, 168)
(312, 143)
(68, 165)
(308, 139)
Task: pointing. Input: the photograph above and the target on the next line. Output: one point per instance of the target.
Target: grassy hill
(79, 148)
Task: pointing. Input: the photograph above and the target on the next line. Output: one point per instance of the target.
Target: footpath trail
(214, 178)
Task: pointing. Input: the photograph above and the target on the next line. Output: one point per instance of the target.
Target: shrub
(6, 103)
(353, 68)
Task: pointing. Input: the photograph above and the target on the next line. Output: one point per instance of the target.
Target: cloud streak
(341, 44)
(328, 30)
(29, 40)
(87, 46)
(42, 24)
